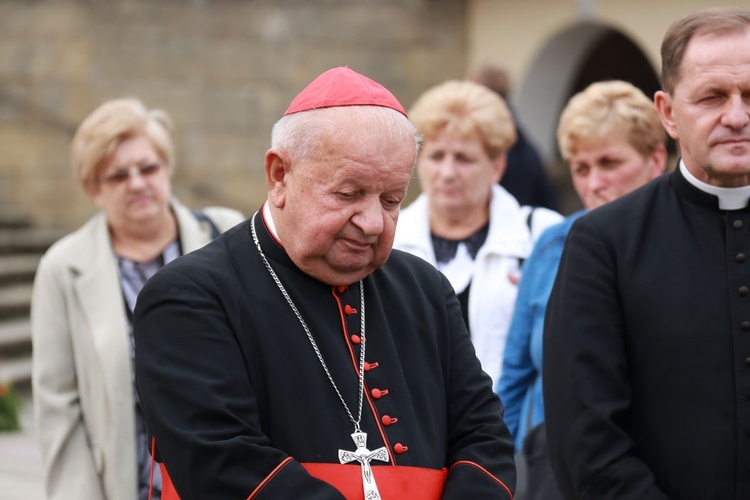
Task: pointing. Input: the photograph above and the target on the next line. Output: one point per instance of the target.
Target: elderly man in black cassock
(298, 356)
(647, 333)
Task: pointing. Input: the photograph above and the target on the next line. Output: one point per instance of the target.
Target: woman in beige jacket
(93, 440)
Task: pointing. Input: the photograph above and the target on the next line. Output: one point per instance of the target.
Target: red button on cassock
(388, 420)
(349, 310)
(378, 393)
(341, 288)
(356, 339)
(370, 366)
(400, 448)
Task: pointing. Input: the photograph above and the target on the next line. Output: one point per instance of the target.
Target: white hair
(300, 133)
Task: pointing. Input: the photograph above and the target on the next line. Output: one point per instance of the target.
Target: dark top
(525, 176)
(647, 349)
(231, 387)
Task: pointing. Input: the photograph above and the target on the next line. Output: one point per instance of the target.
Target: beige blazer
(82, 374)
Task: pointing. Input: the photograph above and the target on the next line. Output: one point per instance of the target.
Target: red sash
(167, 488)
(414, 483)
(394, 482)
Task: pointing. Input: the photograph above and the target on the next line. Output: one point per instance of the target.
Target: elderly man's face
(709, 109)
(338, 210)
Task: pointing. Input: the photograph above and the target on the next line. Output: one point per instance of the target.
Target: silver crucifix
(364, 456)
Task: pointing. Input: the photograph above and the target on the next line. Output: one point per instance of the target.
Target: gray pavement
(20, 460)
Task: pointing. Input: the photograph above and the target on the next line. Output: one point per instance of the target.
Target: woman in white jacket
(464, 223)
(93, 439)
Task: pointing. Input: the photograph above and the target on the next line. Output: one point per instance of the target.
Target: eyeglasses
(121, 176)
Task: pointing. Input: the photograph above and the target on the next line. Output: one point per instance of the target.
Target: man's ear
(277, 168)
(663, 103)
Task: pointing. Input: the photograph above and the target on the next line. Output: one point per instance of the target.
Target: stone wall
(225, 70)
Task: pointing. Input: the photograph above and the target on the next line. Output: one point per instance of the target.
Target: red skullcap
(343, 87)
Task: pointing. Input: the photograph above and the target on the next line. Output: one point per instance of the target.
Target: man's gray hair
(299, 134)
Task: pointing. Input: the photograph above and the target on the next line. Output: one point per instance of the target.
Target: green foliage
(10, 403)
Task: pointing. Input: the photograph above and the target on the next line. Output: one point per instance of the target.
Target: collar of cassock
(269, 220)
(729, 198)
(445, 249)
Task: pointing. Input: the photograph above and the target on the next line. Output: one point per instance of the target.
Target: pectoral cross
(364, 456)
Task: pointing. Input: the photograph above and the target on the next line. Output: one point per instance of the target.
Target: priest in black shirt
(647, 333)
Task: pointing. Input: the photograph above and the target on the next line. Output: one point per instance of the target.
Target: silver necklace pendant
(364, 456)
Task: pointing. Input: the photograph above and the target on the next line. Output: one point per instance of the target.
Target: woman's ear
(499, 165)
(658, 161)
(93, 191)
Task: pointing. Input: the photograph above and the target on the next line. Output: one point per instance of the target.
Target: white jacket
(492, 295)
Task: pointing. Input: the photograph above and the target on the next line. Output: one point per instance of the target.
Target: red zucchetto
(343, 87)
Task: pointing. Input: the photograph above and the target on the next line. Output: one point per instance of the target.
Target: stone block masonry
(225, 71)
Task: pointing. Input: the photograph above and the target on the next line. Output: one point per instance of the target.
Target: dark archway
(615, 57)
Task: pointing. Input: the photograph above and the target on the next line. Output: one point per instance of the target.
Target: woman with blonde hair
(464, 222)
(88, 420)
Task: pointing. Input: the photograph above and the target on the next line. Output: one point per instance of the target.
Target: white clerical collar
(729, 198)
(269, 220)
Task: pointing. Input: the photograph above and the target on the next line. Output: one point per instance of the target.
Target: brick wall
(224, 69)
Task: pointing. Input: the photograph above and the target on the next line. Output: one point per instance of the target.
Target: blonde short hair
(464, 108)
(108, 126)
(606, 107)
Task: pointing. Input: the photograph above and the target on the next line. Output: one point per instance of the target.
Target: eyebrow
(138, 163)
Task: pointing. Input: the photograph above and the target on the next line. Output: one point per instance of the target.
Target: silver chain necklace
(361, 454)
(312, 339)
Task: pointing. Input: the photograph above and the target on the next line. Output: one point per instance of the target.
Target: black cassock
(647, 349)
(240, 406)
